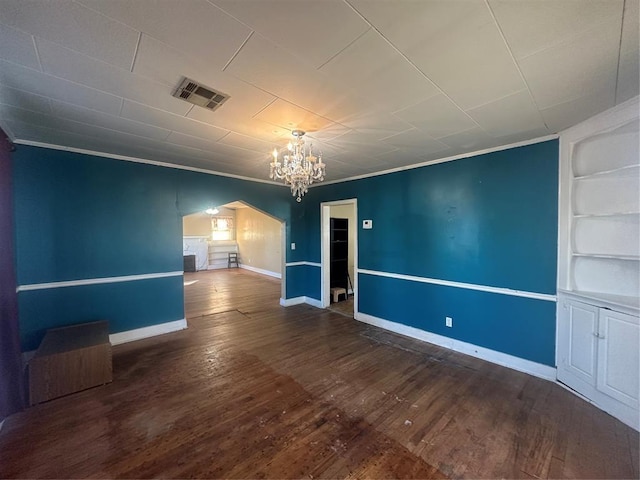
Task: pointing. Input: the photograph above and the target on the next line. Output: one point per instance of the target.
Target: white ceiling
(377, 84)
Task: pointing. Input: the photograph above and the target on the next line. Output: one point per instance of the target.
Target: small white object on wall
(367, 224)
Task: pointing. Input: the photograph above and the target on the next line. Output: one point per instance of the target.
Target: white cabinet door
(618, 358)
(577, 345)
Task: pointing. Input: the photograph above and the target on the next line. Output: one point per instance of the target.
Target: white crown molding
(467, 286)
(280, 184)
(442, 160)
(125, 158)
(97, 281)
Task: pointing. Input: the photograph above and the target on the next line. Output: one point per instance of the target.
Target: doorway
(341, 209)
(257, 238)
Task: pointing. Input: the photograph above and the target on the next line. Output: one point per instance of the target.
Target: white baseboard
(261, 270)
(146, 332)
(287, 302)
(527, 366)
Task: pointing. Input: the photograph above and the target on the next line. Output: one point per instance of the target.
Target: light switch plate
(367, 224)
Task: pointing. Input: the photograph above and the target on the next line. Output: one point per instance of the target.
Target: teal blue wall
(81, 217)
(489, 220)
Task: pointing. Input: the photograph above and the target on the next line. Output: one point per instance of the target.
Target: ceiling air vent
(193, 92)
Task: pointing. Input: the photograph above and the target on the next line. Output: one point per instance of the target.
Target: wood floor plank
(255, 390)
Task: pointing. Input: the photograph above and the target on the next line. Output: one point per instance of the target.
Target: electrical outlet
(293, 246)
(448, 321)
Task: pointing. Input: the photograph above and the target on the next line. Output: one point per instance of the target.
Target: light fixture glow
(212, 211)
(300, 166)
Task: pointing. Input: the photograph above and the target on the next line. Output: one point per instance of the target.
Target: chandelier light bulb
(300, 166)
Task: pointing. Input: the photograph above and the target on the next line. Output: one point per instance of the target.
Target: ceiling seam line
(238, 50)
(135, 52)
(343, 49)
(64, 80)
(35, 47)
(267, 105)
(515, 62)
(187, 113)
(414, 66)
(615, 93)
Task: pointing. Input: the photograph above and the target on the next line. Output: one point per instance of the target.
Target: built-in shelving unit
(219, 253)
(603, 250)
(599, 261)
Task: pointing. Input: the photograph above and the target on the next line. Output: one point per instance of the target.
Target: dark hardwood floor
(255, 390)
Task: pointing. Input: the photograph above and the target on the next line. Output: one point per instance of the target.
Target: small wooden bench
(70, 359)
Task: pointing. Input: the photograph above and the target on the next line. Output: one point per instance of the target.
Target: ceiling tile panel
(416, 139)
(628, 74)
(328, 133)
(438, 116)
(78, 68)
(452, 42)
(628, 77)
(18, 47)
(396, 158)
(380, 124)
(332, 20)
(12, 113)
(565, 115)
(56, 88)
(475, 138)
(248, 126)
(377, 84)
(512, 114)
(289, 116)
(533, 26)
(250, 143)
(269, 67)
(197, 27)
(586, 64)
(374, 69)
(169, 121)
(362, 143)
(25, 100)
(340, 105)
(164, 64)
(74, 26)
(93, 117)
(214, 148)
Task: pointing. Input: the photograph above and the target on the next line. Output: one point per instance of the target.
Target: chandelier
(300, 166)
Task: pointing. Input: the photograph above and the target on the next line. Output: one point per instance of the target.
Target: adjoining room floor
(344, 307)
(255, 390)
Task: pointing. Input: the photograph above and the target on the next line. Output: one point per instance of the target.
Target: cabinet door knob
(597, 335)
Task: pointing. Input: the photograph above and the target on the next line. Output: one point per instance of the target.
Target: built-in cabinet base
(598, 354)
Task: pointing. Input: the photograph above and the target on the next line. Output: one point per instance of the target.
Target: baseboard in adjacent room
(515, 363)
(146, 332)
(260, 270)
(287, 302)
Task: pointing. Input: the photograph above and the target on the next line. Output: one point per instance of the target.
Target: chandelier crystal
(300, 166)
